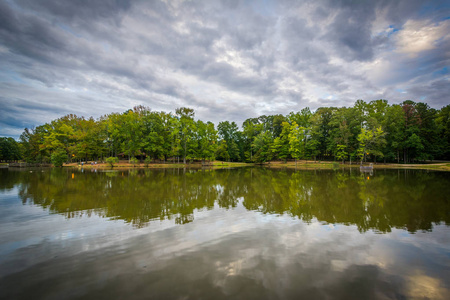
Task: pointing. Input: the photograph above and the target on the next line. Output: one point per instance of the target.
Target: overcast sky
(228, 60)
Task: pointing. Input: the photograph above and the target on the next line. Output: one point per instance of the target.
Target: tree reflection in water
(409, 199)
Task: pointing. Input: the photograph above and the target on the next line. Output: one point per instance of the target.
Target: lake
(244, 233)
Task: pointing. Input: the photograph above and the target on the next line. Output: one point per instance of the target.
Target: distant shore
(301, 164)
(443, 166)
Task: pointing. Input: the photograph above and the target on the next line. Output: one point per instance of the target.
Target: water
(248, 233)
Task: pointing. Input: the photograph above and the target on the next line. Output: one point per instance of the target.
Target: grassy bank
(126, 165)
(331, 165)
(306, 165)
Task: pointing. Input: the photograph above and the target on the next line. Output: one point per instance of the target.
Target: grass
(123, 165)
(127, 165)
(230, 164)
(301, 164)
(329, 165)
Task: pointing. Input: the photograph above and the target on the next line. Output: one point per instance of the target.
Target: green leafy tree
(341, 153)
(262, 147)
(222, 151)
(277, 125)
(59, 157)
(153, 140)
(312, 148)
(112, 160)
(412, 126)
(302, 118)
(186, 129)
(321, 130)
(207, 139)
(147, 161)
(228, 131)
(415, 147)
(133, 132)
(395, 132)
(341, 131)
(280, 146)
(134, 161)
(443, 124)
(32, 141)
(428, 131)
(251, 128)
(297, 145)
(364, 139)
(9, 149)
(370, 142)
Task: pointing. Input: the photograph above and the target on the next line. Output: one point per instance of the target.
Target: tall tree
(428, 131)
(9, 149)
(187, 129)
(371, 142)
(207, 136)
(443, 124)
(395, 132)
(262, 146)
(251, 128)
(297, 145)
(280, 146)
(321, 129)
(228, 131)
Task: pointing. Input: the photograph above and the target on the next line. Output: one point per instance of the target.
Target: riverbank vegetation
(369, 131)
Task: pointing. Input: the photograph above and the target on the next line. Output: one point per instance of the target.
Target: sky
(228, 60)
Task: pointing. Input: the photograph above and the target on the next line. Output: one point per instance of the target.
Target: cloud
(227, 60)
(420, 36)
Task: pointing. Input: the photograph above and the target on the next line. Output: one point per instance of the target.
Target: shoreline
(302, 165)
(306, 165)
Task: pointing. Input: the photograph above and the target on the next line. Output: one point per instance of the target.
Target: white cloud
(417, 37)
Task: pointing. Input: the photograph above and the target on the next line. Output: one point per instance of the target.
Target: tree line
(368, 131)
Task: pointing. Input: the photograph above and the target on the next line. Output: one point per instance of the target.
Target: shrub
(147, 161)
(58, 157)
(133, 161)
(112, 160)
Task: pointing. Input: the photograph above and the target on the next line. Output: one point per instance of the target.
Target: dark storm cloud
(29, 35)
(300, 49)
(350, 31)
(229, 60)
(17, 114)
(434, 92)
(78, 12)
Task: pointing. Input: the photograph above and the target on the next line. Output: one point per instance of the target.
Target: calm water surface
(248, 233)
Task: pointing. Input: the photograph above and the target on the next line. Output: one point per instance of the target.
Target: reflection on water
(250, 233)
(408, 199)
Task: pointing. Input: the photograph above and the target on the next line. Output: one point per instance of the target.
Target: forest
(372, 131)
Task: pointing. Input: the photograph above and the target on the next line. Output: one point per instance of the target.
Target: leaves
(58, 157)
